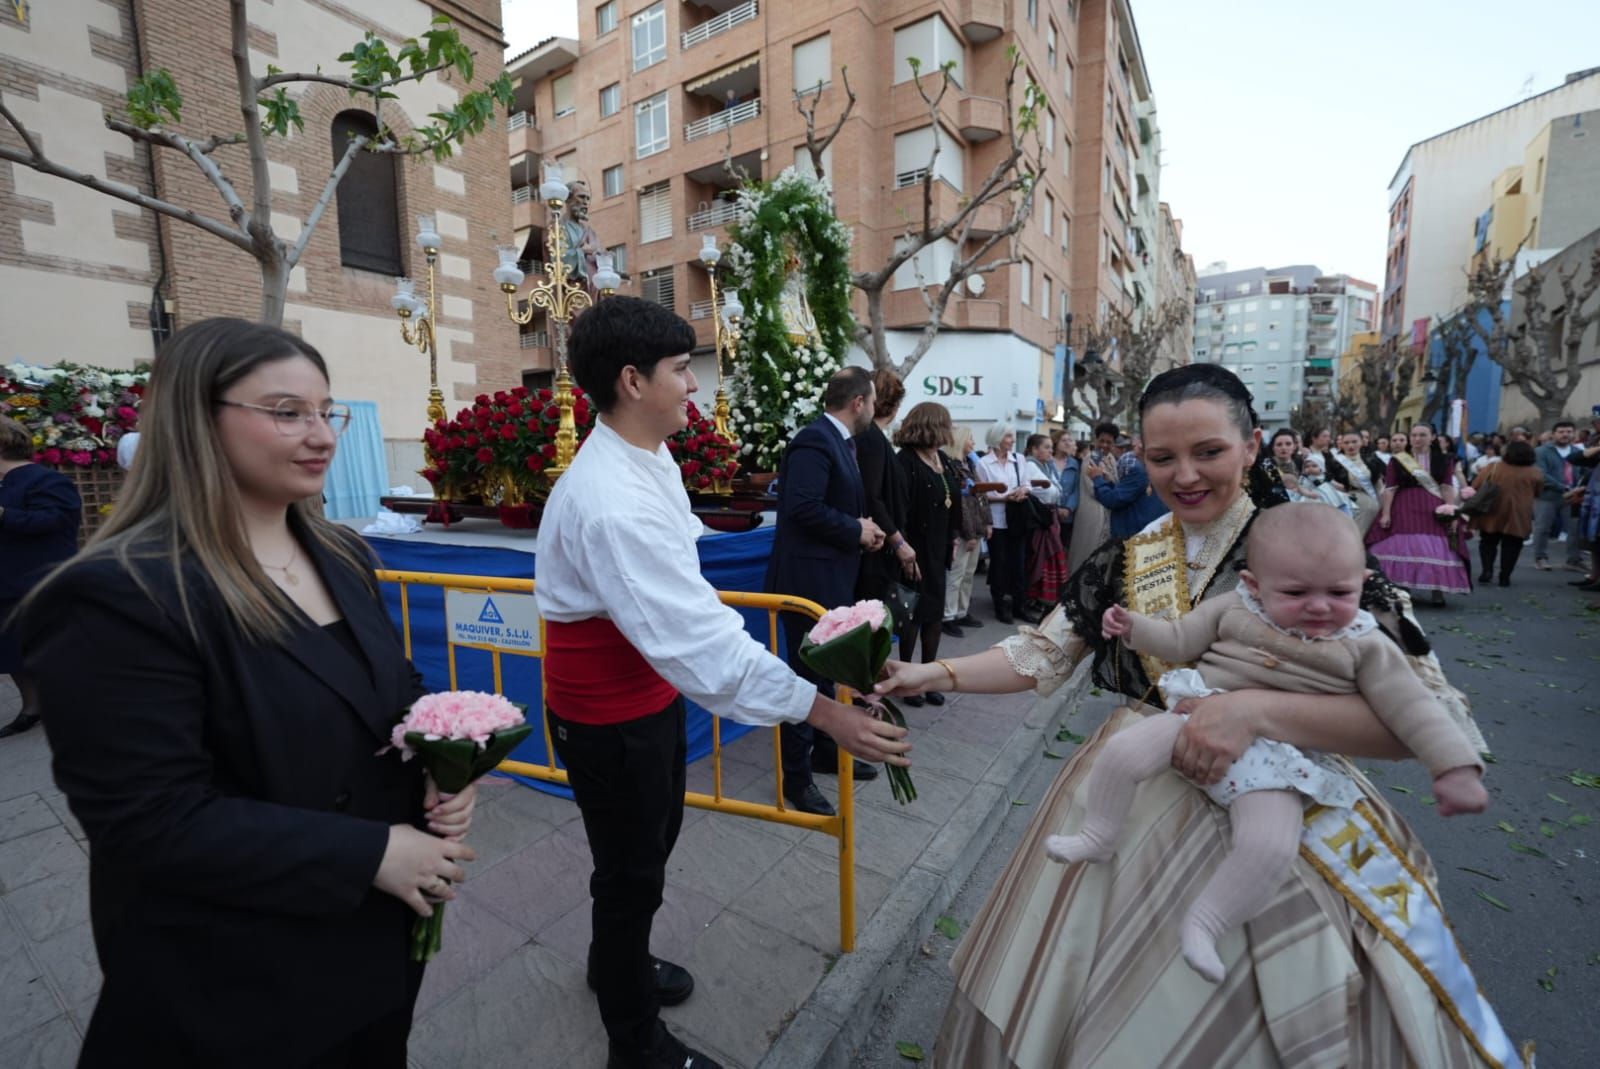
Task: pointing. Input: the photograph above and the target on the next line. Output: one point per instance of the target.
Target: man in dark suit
(816, 554)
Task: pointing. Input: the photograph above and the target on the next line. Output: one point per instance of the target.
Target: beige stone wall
(77, 267)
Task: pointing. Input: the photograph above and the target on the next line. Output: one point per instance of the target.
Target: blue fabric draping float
(728, 561)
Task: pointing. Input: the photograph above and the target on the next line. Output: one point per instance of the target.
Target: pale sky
(1282, 124)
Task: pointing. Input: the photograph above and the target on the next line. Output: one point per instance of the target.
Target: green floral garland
(777, 385)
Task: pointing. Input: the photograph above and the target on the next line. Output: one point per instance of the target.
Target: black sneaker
(674, 985)
(667, 1052)
(970, 620)
(950, 628)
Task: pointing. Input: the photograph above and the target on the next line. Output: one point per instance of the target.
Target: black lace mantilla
(1097, 584)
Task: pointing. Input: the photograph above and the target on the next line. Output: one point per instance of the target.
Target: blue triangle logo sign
(490, 614)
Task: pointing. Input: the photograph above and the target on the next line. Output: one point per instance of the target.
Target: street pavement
(1519, 882)
(751, 908)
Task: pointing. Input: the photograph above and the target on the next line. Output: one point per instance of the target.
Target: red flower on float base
(703, 456)
(510, 430)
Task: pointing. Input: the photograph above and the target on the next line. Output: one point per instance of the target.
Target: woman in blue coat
(40, 512)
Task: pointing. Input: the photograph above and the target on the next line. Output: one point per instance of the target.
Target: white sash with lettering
(1349, 848)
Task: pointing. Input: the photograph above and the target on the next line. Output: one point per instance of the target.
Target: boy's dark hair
(1106, 428)
(621, 332)
(845, 386)
(1563, 423)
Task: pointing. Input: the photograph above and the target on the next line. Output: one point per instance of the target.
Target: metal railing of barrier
(841, 826)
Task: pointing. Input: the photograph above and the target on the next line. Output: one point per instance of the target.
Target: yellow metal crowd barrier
(841, 826)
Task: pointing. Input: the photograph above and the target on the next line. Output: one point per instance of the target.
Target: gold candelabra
(562, 299)
(726, 316)
(412, 309)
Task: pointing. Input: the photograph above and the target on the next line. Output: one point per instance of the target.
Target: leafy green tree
(155, 111)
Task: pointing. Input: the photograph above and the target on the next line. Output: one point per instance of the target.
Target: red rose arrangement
(511, 432)
(704, 456)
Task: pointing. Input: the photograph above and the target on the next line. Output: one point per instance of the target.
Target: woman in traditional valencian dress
(1416, 550)
(1074, 966)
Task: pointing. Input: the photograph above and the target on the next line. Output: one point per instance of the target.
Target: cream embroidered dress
(1075, 966)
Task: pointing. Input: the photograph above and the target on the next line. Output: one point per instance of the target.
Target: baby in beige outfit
(1295, 625)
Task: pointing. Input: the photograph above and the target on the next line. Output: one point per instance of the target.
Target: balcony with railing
(700, 309)
(717, 26)
(518, 119)
(534, 339)
(721, 212)
(718, 121)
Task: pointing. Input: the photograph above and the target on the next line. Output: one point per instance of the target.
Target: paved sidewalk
(751, 908)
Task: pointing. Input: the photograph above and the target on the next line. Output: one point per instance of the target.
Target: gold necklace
(288, 576)
(1221, 536)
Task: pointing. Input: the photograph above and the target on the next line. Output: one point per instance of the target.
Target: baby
(1295, 625)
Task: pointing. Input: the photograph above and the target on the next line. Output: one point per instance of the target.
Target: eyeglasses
(294, 419)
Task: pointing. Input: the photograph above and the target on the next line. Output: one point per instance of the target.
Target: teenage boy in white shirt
(633, 628)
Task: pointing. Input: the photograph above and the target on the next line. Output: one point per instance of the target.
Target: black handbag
(1028, 515)
(1482, 502)
(902, 602)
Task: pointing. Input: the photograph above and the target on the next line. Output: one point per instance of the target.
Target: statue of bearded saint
(582, 244)
(798, 322)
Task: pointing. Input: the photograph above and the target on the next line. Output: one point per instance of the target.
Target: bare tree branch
(815, 146)
(44, 165)
(259, 222)
(27, 139)
(169, 139)
(356, 145)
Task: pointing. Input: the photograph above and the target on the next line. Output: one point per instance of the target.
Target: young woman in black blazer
(217, 674)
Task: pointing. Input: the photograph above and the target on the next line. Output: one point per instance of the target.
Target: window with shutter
(612, 177)
(611, 99)
(563, 91)
(657, 286)
(813, 64)
(655, 213)
(368, 200)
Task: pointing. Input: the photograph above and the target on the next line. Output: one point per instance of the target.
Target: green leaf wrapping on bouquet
(456, 763)
(854, 658)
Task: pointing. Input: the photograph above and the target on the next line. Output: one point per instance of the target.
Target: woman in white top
(1007, 546)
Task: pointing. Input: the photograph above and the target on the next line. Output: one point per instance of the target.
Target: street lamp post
(411, 308)
(726, 316)
(561, 298)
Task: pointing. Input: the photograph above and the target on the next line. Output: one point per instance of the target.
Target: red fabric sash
(593, 675)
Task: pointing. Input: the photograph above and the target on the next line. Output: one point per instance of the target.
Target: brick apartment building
(653, 94)
(90, 278)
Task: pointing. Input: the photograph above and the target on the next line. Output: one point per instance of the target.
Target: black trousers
(1008, 560)
(801, 743)
(629, 781)
(1509, 547)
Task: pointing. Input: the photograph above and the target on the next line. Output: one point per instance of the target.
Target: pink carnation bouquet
(460, 735)
(849, 645)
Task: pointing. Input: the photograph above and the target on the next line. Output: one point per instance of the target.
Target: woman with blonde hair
(969, 546)
(250, 850)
